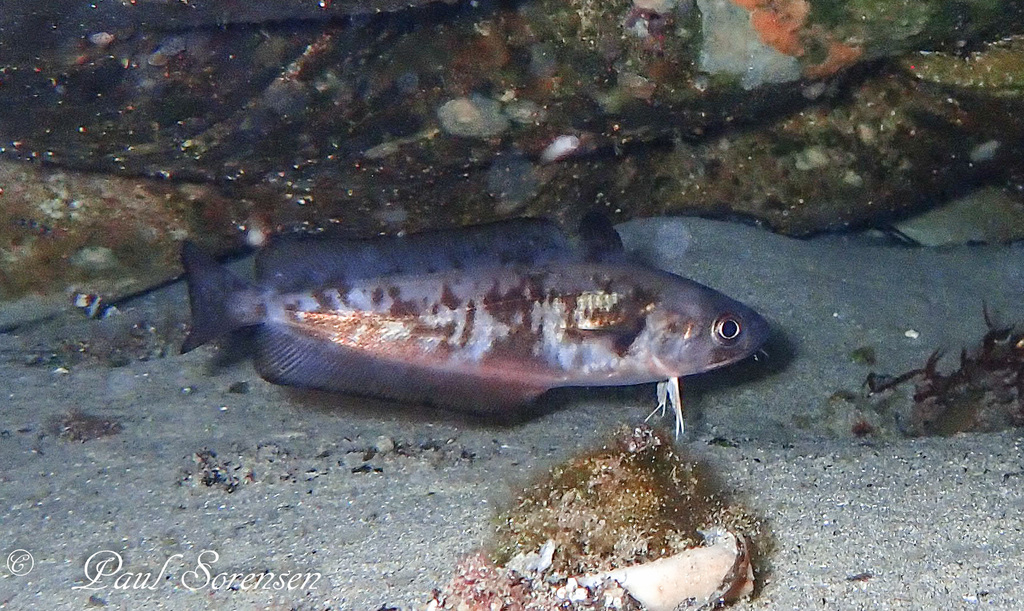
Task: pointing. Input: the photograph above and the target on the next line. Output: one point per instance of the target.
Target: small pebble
(811, 158)
(101, 39)
(814, 90)
(353, 460)
(525, 112)
(472, 117)
(384, 444)
(985, 151)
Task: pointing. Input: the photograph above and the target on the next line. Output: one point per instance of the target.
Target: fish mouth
(760, 331)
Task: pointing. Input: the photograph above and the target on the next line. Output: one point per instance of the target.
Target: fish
(483, 319)
(296, 263)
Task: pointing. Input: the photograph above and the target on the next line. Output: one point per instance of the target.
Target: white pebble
(560, 148)
(101, 39)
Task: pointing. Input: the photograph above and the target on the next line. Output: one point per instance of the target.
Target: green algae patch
(998, 68)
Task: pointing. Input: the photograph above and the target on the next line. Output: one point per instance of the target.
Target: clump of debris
(77, 425)
(984, 393)
(631, 526)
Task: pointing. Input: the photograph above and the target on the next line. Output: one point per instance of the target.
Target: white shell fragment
(533, 562)
(699, 577)
(560, 148)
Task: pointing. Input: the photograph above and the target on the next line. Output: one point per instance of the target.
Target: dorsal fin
(298, 264)
(600, 241)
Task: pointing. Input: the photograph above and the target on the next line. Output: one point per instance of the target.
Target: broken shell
(704, 576)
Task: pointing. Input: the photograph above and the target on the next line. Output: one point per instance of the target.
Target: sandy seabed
(221, 491)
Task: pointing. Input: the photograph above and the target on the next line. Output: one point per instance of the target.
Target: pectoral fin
(619, 332)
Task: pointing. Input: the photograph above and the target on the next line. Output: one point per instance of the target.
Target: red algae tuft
(783, 25)
(839, 56)
(779, 22)
(984, 393)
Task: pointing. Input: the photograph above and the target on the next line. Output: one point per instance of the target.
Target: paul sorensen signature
(104, 570)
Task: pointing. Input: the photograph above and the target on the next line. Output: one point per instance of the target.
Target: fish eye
(727, 328)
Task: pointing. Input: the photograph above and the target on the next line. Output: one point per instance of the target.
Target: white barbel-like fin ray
(668, 391)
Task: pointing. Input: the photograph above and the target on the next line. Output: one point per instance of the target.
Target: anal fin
(292, 359)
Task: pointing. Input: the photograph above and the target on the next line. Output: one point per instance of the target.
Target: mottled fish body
(485, 335)
(302, 263)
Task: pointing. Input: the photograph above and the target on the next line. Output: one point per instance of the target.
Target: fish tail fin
(212, 291)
